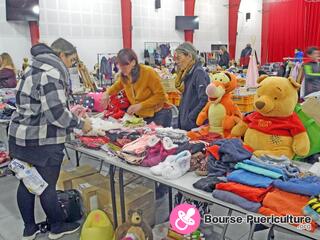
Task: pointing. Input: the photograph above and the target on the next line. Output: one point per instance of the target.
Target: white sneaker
(179, 167)
(32, 237)
(157, 170)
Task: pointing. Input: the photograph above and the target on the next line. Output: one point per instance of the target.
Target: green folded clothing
(258, 170)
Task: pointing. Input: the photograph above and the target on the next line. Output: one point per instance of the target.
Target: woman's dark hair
(125, 57)
(298, 49)
(311, 50)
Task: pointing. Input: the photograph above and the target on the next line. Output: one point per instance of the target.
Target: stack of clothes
(252, 180)
(176, 135)
(292, 196)
(222, 156)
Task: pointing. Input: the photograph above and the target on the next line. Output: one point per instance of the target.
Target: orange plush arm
(203, 115)
(233, 114)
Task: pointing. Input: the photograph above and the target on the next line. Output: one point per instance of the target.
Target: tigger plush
(220, 110)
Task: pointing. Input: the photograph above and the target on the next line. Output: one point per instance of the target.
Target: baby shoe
(157, 170)
(179, 167)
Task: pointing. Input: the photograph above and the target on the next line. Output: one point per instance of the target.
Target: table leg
(67, 153)
(170, 199)
(251, 232)
(121, 192)
(77, 158)
(113, 196)
(271, 233)
(225, 227)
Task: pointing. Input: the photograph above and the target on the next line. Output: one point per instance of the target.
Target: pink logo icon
(185, 219)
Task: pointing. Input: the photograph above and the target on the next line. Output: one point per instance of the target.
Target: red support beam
(189, 11)
(233, 25)
(34, 32)
(126, 16)
(265, 32)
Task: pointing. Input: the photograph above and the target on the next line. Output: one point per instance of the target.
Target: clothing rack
(153, 52)
(99, 73)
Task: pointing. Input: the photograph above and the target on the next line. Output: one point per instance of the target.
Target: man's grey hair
(63, 46)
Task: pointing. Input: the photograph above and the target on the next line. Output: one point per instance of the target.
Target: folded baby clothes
(93, 142)
(197, 161)
(258, 170)
(204, 135)
(134, 122)
(284, 166)
(178, 136)
(281, 203)
(158, 150)
(250, 193)
(207, 184)
(138, 146)
(249, 178)
(236, 200)
(232, 150)
(99, 127)
(309, 186)
(193, 147)
(130, 158)
(121, 137)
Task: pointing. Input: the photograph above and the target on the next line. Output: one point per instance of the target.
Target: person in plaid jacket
(39, 128)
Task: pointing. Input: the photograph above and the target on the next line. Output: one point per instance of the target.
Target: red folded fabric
(94, 142)
(251, 193)
(281, 203)
(214, 150)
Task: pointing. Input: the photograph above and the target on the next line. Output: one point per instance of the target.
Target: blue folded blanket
(309, 186)
(236, 200)
(249, 178)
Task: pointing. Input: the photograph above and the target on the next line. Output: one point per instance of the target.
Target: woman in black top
(224, 58)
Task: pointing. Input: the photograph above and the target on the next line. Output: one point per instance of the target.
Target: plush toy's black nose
(260, 105)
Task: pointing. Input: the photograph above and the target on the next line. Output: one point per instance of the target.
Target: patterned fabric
(42, 116)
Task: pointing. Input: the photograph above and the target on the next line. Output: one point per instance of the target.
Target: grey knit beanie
(187, 48)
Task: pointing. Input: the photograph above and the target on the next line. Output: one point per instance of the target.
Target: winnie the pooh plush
(135, 228)
(274, 129)
(220, 110)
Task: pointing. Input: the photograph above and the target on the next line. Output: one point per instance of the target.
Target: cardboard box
(88, 187)
(66, 176)
(136, 197)
(96, 179)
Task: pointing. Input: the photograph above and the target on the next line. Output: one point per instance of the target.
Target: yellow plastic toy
(97, 227)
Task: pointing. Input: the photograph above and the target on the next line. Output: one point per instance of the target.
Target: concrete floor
(11, 225)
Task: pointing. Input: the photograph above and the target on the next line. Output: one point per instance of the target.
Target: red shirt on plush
(280, 126)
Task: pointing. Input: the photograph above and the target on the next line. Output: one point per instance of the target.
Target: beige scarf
(181, 75)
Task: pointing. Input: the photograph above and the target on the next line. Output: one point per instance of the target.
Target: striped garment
(42, 116)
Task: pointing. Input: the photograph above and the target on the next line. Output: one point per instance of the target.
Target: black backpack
(71, 204)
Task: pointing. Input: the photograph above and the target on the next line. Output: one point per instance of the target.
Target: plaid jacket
(42, 116)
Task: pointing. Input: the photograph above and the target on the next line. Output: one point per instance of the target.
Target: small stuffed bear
(135, 228)
(274, 129)
(221, 111)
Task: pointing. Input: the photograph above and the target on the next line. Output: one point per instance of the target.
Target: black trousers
(48, 198)
(47, 160)
(162, 118)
